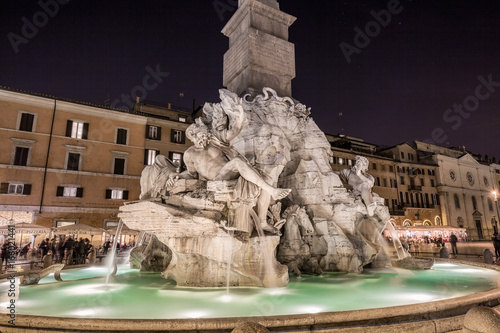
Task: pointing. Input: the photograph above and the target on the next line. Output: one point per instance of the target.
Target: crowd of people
(414, 245)
(62, 249)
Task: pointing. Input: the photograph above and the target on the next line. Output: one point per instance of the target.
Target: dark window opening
(21, 156)
(73, 161)
(26, 122)
(121, 136)
(119, 166)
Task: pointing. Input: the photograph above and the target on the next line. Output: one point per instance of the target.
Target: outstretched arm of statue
(176, 176)
(234, 110)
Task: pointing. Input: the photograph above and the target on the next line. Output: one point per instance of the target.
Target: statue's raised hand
(233, 107)
(172, 180)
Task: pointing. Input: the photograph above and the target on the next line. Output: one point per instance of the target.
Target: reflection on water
(135, 295)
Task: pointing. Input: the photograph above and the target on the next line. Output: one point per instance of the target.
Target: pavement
(467, 251)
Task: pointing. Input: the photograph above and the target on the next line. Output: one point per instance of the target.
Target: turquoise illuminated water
(135, 295)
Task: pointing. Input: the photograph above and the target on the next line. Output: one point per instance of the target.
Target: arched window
(437, 220)
(427, 223)
(407, 223)
(474, 203)
(460, 221)
(490, 205)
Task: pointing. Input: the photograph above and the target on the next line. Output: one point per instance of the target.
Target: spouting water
(229, 257)
(400, 250)
(111, 259)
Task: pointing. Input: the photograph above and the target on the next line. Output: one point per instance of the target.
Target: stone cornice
(61, 105)
(253, 5)
(83, 173)
(20, 141)
(102, 113)
(58, 209)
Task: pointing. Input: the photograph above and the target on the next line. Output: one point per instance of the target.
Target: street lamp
(495, 194)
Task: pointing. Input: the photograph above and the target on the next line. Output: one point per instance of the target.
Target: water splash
(229, 259)
(400, 250)
(111, 260)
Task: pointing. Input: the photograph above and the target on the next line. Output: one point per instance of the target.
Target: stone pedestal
(202, 252)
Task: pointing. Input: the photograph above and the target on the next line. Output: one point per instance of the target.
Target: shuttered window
(77, 129)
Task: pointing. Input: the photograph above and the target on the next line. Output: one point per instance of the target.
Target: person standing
(496, 245)
(44, 247)
(88, 248)
(5, 253)
(69, 244)
(80, 250)
(106, 247)
(453, 242)
(60, 249)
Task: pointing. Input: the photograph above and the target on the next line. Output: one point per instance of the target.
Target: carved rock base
(202, 252)
(413, 263)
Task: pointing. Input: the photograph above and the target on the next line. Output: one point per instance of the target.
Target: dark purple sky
(397, 88)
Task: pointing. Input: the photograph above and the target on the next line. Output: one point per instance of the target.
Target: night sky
(410, 82)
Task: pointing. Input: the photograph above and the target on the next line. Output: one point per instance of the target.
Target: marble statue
(154, 178)
(258, 198)
(151, 256)
(301, 246)
(34, 276)
(362, 183)
(213, 158)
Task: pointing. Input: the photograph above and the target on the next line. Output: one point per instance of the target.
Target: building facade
(466, 189)
(416, 185)
(64, 162)
(409, 187)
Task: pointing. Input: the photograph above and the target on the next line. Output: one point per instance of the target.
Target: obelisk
(259, 54)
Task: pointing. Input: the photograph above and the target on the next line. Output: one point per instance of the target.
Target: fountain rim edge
(413, 312)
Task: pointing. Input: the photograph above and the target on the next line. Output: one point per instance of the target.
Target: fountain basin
(437, 298)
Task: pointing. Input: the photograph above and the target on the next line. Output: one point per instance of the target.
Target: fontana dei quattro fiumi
(257, 233)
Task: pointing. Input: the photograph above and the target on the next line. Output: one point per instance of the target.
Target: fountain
(385, 299)
(227, 206)
(258, 200)
(225, 236)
